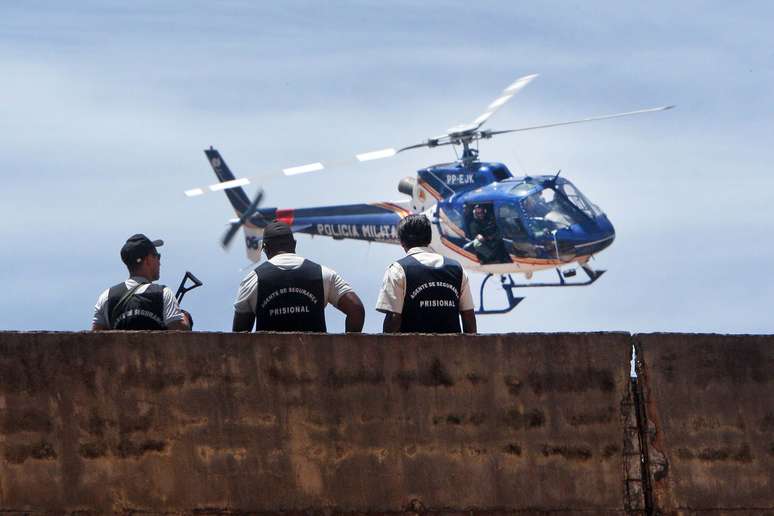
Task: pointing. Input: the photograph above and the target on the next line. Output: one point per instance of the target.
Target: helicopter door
(515, 236)
(484, 235)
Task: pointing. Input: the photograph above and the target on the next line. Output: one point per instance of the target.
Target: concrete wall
(212, 423)
(178, 422)
(710, 408)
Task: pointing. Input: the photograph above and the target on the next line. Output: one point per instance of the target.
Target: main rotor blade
(447, 139)
(317, 166)
(487, 134)
(515, 87)
(297, 170)
(429, 143)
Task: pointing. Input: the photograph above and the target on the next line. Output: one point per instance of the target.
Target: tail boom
(236, 195)
(375, 222)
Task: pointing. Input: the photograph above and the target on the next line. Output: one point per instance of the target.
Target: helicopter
(483, 216)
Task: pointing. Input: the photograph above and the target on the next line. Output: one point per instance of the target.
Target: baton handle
(182, 289)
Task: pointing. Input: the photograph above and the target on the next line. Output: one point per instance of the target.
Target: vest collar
(282, 256)
(415, 250)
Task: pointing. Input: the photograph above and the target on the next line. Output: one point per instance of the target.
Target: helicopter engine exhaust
(406, 185)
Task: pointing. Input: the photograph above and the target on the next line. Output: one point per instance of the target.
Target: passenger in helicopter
(487, 242)
(536, 206)
(544, 208)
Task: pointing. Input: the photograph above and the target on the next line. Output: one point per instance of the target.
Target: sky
(106, 107)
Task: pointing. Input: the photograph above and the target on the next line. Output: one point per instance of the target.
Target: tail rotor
(249, 213)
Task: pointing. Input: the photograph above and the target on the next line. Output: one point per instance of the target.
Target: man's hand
(391, 322)
(351, 305)
(468, 321)
(188, 317)
(181, 325)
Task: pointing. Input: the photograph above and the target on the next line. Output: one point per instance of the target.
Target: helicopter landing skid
(508, 285)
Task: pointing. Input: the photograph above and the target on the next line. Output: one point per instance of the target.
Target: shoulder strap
(121, 302)
(265, 266)
(408, 260)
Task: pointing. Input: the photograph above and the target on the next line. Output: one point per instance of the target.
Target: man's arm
(468, 321)
(351, 305)
(99, 320)
(243, 321)
(391, 322)
(174, 317)
(244, 305)
(467, 307)
(391, 297)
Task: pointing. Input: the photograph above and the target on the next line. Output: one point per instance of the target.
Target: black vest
(290, 299)
(139, 312)
(432, 300)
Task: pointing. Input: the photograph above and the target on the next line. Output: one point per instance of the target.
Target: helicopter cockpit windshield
(546, 210)
(579, 200)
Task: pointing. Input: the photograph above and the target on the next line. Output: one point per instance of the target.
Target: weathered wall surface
(710, 410)
(224, 423)
(185, 422)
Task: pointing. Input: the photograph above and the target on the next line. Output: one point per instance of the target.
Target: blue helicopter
(484, 217)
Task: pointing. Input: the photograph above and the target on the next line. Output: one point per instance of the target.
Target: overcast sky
(105, 108)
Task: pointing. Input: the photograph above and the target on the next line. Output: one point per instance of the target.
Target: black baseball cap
(138, 247)
(277, 230)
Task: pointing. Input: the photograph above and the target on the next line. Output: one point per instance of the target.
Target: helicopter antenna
(519, 164)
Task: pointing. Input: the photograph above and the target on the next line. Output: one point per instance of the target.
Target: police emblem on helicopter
(483, 216)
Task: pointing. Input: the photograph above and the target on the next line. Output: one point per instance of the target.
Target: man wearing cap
(289, 292)
(138, 304)
(424, 292)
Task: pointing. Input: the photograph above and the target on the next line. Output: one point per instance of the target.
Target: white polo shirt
(172, 311)
(394, 284)
(247, 298)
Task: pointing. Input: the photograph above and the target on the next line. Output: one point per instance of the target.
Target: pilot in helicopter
(487, 241)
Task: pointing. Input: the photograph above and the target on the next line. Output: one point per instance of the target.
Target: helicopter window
(454, 217)
(522, 188)
(510, 225)
(500, 174)
(579, 200)
(547, 211)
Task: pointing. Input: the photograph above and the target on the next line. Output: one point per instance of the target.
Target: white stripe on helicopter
(292, 171)
(229, 184)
